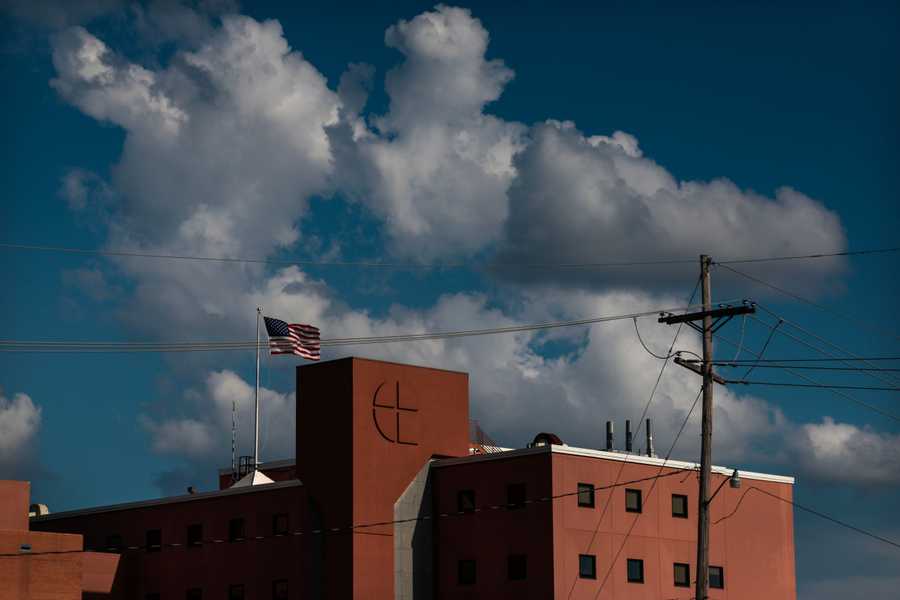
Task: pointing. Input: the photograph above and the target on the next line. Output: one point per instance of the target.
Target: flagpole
(256, 419)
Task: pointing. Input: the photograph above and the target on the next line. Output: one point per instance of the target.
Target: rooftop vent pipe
(628, 436)
(610, 440)
(649, 440)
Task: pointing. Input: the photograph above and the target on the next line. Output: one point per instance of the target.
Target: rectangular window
(633, 501)
(679, 506)
(465, 501)
(113, 542)
(587, 566)
(586, 495)
(716, 577)
(517, 567)
(236, 591)
(194, 594)
(280, 589)
(515, 496)
(194, 535)
(280, 524)
(154, 540)
(682, 575)
(151, 596)
(236, 530)
(466, 572)
(635, 570)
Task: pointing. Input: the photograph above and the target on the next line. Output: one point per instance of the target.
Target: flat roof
(616, 456)
(169, 500)
(384, 362)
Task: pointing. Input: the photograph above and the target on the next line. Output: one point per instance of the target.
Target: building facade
(387, 498)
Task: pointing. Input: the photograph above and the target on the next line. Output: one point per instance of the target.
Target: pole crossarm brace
(726, 312)
(695, 367)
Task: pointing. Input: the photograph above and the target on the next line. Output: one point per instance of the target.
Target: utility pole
(712, 321)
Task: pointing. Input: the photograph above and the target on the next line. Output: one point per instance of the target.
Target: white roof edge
(617, 456)
(168, 500)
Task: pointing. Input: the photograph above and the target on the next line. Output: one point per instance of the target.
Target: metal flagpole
(256, 418)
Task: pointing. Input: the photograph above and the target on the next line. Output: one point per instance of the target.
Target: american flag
(293, 338)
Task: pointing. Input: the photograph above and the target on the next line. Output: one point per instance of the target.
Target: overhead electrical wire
(418, 266)
(829, 386)
(807, 367)
(75, 346)
(878, 329)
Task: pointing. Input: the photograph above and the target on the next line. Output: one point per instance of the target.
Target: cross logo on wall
(395, 415)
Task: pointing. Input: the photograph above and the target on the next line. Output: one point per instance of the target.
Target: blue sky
(167, 130)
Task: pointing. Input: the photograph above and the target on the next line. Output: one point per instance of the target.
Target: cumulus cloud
(205, 437)
(435, 168)
(20, 420)
(579, 199)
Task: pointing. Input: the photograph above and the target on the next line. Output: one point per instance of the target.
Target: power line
(373, 524)
(662, 370)
(862, 322)
(417, 266)
(809, 510)
(808, 367)
(74, 346)
(838, 393)
(806, 256)
(814, 385)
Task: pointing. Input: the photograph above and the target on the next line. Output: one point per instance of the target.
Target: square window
(679, 506)
(633, 501)
(236, 592)
(280, 589)
(154, 540)
(113, 542)
(280, 524)
(682, 575)
(515, 496)
(465, 501)
(716, 577)
(635, 570)
(236, 530)
(586, 495)
(517, 567)
(587, 566)
(466, 572)
(194, 535)
(194, 594)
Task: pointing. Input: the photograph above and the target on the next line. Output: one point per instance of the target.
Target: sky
(463, 137)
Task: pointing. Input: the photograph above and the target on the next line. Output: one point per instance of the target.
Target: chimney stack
(610, 439)
(628, 436)
(649, 440)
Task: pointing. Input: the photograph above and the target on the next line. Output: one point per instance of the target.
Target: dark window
(716, 577)
(515, 495)
(151, 596)
(633, 501)
(587, 566)
(679, 506)
(466, 572)
(154, 540)
(194, 594)
(235, 530)
(236, 591)
(114, 542)
(280, 589)
(682, 575)
(635, 570)
(194, 535)
(465, 501)
(517, 567)
(280, 524)
(586, 495)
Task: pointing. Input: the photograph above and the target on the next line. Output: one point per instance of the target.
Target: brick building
(387, 498)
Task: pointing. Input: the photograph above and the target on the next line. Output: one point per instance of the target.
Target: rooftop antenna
(256, 397)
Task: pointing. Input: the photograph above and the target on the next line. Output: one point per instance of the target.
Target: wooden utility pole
(712, 321)
(702, 591)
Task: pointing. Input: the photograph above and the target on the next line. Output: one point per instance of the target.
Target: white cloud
(435, 169)
(20, 420)
(596, 199)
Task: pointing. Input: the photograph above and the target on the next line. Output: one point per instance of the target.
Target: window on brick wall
(635, 569)
(236, 591)
(280, 524)
(516, 494)
(195, 535)
(587, 566)
(154, 540)
(517, 567)
(633, 501)
(466, 573)
(586, 495)
(682, 575)
(679, 506)
(716, 577)
(236, 531)
(280, 589)
(465, 501)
